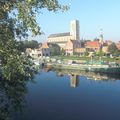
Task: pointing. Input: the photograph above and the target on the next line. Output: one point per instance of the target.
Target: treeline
(22, 45)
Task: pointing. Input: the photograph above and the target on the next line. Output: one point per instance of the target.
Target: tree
(22, 45)
(62, 52)
(17, 17)
(113, 49)
(12, 97)
(54, 49)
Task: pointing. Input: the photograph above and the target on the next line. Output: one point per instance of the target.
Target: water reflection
(12, 97)
(74, 75)
(74, 80)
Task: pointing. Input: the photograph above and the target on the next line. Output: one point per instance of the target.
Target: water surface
(70, 95)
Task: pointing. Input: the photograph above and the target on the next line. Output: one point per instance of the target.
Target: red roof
(92, 44)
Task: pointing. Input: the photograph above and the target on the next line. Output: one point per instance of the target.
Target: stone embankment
(86, 67)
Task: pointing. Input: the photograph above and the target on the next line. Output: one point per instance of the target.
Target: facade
(92, 46)
(43, 51)
(71, 45)
(62, 38)
(28, 51)
(80, 51)
(35, 53)
(105, 49)
(118, 45)
(74, 29)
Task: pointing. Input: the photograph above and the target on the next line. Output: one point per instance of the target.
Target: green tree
(62, 52)
(113, 49)
(54, 49)
(17, 17)
(22, 45)
(12, 94)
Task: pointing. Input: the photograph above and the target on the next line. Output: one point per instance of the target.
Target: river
(70, 95)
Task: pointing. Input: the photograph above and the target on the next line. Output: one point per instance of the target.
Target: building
(80, 51)
(92, 46)
(71, 45)
(43, 51)
(28, 51)
(62, 38)
(35, 53)
(118, 45)
(105, 49)
(74, 30)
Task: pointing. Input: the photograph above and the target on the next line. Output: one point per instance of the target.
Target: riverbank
(86, 67)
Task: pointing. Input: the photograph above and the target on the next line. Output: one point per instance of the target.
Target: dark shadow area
(12, 97)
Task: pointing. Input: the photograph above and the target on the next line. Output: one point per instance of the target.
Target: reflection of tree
(11, 97)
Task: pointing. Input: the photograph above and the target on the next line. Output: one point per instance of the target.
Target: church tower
(74, 30)
(101, 36)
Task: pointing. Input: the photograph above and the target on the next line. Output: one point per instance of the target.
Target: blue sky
(92, 15)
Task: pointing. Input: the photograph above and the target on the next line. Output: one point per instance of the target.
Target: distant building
(71, 45)
(92, 46)
(43, 51)
(80, 51)
(28, 51)
(105, 49)
(36, 53)
(62, 38)
(118, 45)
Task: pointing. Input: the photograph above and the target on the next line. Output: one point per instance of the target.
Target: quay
(86, 67)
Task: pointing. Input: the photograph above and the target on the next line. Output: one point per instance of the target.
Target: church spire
(101, 36)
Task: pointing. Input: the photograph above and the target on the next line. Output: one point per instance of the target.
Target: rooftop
(92, 44)
(45, 45)
(59, 35)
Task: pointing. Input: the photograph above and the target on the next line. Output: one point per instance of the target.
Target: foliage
(12, 94)
(27, 44)
(113, 49)
(86, 53)
(54, 49)
(100, 53)
(62, 52)
(17, 18)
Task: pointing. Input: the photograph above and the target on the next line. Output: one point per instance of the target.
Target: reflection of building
(74, 80)
(62, 38)
(74, 76)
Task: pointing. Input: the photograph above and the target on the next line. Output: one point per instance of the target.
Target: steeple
(101, 36)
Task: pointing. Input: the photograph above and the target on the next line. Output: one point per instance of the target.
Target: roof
(75, 41)
(45, 45)
(59, 35)
(92, 44)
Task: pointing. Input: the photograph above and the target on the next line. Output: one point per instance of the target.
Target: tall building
(101, 36)
(74, 29)
(62, 38)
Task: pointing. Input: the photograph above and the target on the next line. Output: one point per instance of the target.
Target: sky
(93, 15)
